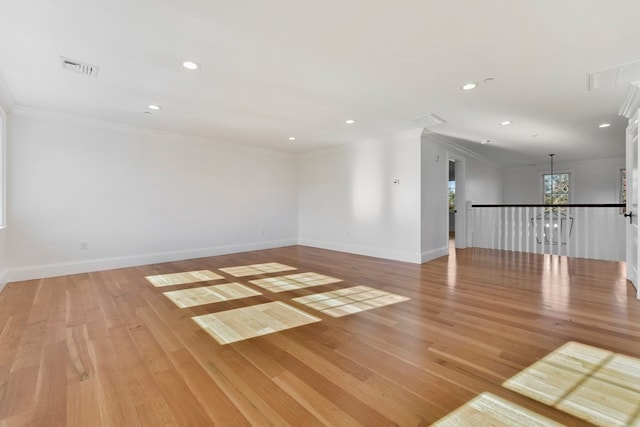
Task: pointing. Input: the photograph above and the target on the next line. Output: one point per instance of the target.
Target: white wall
(348, 201)
(137, 197)
(484, 182)
(480, 180)
(592, 181)
(3, 248)
(434, 237)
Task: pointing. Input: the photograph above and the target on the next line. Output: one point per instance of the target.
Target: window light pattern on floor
(587, 382)
(294, 281)
(210, 294)
(253, 321)
(160, 280)
(350, 300)
(255, 269)
(490, 410)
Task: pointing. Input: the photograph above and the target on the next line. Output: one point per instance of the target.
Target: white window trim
(572, 182)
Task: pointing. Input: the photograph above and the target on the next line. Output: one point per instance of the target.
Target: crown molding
(631, 103)
(51, 115)
(452, 143)
(39, 113)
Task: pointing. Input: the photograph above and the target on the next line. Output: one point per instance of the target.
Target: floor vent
(79, 67)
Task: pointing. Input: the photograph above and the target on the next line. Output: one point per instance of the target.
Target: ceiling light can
(469, 86)
(604, 125)
(350, 121)
(190, 65)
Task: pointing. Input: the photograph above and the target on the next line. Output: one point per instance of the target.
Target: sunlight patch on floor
(253, 321)
(255, 269)
(490, 410)
(210, 294)
(587, 382)
(350, 300)
(294, 281)
(160, 280)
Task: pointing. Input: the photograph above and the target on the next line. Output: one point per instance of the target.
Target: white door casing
(461, 212)
(633, 257)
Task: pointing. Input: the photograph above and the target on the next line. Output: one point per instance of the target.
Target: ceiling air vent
(79, 67)
(429, 120)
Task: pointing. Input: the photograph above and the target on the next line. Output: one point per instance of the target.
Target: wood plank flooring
(108, 348)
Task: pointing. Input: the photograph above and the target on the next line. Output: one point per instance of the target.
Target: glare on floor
(172, 279)
(590, 383)
(253, 321)
(210, 294)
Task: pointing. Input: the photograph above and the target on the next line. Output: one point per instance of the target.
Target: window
(556, 188)
(452, 196)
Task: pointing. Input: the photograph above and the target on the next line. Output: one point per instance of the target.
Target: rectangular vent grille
(429, 120)
(79, 67)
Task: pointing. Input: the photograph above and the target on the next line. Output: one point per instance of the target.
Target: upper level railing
(578, 230)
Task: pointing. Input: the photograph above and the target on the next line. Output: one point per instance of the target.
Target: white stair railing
(594, 231)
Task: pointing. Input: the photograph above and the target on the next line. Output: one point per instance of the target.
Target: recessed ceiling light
(350, 121)
(485, 141)
(154, 107)
(469, 86)
(292, 138)
(488, 80)
(506, 122)
(604, 125)
(190, 65)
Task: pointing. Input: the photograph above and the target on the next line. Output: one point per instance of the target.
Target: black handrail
(569, 205)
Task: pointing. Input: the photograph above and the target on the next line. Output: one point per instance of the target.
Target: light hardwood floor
(108, 348)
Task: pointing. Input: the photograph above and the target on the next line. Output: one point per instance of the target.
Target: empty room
(334, 213)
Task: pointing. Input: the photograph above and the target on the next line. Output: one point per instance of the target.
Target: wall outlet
(84, 246)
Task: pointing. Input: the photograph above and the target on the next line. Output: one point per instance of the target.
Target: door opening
(452, 205)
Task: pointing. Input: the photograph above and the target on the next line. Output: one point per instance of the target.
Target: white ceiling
(274, 69)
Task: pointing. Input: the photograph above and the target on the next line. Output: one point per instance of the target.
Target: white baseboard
(434, 253)
(363, 250)
(76, 267)
(3, 278)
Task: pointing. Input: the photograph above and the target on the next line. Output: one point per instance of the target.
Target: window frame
(558, 172)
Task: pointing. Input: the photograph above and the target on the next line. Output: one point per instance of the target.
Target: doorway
(452, 204)
(456, 206)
